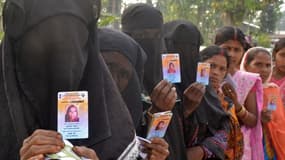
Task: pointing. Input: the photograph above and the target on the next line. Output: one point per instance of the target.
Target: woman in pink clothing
(248, 87)
(278, 76)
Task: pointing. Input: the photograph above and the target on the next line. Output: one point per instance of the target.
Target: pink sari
(245, 81)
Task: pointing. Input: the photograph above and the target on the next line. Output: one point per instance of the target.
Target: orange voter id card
(171, 67)
(72, 119)
(203, 73)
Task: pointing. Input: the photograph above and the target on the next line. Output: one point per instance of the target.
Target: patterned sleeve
(215, 146)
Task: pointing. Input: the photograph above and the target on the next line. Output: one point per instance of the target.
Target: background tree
(268, 18)
(207, 15)
(149, 2)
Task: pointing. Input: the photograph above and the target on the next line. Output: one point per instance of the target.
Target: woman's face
(280, 60)
(203, 72)
(73, 114)
(235, 50)
(218, 70)
(260, 64)
(161, 125)
(120, 68)
(171, 66)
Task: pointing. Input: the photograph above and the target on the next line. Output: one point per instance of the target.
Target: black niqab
(51, 46)
(144, 24)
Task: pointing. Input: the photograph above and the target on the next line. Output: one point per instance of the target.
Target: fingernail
(59, 136)
(58, 147)
(75, 148)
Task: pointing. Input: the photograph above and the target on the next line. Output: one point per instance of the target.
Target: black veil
(51, 46)
(184, 37)
(144, 24)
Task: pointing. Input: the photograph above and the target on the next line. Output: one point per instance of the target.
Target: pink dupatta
(245, 81)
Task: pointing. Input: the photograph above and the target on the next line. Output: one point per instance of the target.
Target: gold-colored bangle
(241, 111)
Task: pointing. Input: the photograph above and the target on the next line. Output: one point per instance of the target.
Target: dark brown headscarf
(51, 46)
(114, 42)
(144, 24)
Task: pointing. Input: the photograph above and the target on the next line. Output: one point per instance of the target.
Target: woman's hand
(41, 142)
(85, 152)
(196, 153)
(163, 96)
(230, 92)
(266, 115)
(192, 97)
(157, 149)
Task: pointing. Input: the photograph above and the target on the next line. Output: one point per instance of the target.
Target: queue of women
(54, 46)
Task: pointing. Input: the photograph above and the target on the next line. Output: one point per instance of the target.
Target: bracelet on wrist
(241, 112)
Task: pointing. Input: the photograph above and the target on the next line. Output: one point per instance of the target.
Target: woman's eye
(237, 49)
(222, 69)
(258, 64)
(282, 54)
(213, 66)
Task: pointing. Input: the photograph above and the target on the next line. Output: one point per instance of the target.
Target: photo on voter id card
(203, 73)
(272, 102)
(171, 67)
(72, 120)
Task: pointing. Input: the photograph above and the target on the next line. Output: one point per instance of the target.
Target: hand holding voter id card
(141, 141)
(203, 73)
(171, 67)
(159, 124)
(65, 154)
(72, 119)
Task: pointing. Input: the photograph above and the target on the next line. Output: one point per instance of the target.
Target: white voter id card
(203, 73)
(171, 67)
(72, 118)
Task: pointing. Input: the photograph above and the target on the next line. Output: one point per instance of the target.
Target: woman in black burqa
(184, 38)
(205, 122)
(144, 24)
(51, 46)
(147, 32)
(125, 59)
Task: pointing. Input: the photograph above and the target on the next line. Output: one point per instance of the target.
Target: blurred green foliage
(208, 15)
(263, 40)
